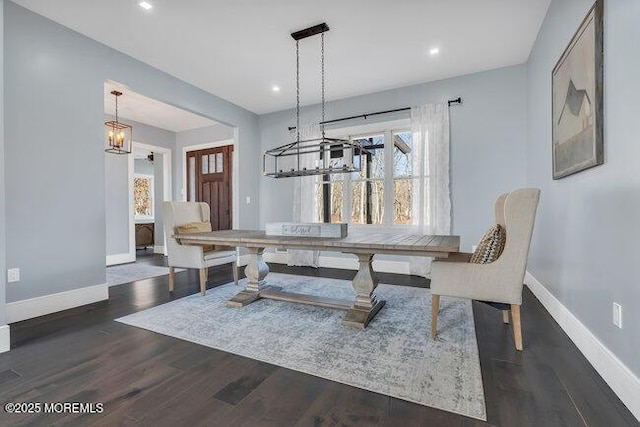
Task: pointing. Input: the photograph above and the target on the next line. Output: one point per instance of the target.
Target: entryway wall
(118, 209)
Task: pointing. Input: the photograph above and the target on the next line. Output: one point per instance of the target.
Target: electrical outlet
(13, 275)
(617, 315)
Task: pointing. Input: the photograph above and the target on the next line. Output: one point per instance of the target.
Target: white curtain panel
(431, 210)
(304, 199)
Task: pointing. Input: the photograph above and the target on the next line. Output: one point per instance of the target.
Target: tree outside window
(367, 186)
(402, 178)
(333, 185)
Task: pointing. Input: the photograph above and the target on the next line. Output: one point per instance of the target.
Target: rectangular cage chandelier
(119, 135)
(322, 149)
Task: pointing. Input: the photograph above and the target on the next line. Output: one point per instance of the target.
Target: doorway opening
(151, 187)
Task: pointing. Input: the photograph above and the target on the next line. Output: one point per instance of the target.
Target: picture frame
(577, 99)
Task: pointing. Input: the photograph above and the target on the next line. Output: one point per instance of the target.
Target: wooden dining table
(362, 309)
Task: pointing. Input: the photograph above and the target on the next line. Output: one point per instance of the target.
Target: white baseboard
(5, 338)
(276, 257)
(120, 259)
(39, 306)
(622, 381)
(158, 250)
(346, 263)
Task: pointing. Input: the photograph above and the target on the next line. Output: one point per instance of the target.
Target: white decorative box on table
(309, 229)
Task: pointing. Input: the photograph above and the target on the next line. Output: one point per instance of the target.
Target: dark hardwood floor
(143, 378)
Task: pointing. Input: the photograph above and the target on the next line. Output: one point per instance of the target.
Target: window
(381, 193)
(367, 187)
(403, 180)
(143, 196)
(331, 186)
(212, 163)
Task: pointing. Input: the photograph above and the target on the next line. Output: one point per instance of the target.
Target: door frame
(166, 192)
(235, 195)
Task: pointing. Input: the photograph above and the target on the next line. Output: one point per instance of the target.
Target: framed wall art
(577, 100)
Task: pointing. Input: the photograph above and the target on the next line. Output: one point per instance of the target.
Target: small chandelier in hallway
(119, 135)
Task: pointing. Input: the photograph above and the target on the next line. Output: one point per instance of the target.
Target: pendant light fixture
(119, 135)
(322, 149)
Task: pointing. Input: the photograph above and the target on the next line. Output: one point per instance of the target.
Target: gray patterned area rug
(125, 273)
(394, 355)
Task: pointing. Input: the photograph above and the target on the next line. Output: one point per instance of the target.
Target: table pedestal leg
(256, 271)
(366, 305)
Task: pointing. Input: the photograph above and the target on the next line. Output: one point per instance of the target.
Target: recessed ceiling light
(145, 5)
(275, 88)
(434, 51)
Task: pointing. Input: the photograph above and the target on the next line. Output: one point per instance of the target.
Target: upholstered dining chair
(186, 217)
(499, 282)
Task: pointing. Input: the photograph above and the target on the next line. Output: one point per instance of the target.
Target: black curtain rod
(457, 101)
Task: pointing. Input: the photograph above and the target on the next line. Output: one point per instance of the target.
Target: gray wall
(151, 135)
(585, 243)
(117, 187)
(3, 255)
(143, 166)
(55, 174)
(217, 132)
(116, 203)
(487, 142)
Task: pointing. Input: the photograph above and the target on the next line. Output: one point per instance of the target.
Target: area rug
(126, 273)
(394, 355)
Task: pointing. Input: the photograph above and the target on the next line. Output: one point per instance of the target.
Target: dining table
(361, 309)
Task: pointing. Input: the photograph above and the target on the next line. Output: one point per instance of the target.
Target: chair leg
(235, 272)
(203, 281)
(435, 305)
(505, 317)
(172, 278)
(517, 326)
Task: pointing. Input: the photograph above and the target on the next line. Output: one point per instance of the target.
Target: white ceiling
(139, 108)
(239, 49)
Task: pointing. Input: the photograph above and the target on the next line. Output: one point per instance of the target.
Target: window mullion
(346, 195)
(388, 178)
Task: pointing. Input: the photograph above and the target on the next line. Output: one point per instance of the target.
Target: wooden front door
(209, 181)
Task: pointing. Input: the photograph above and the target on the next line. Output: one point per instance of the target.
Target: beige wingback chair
(500, 281)
(176, 214)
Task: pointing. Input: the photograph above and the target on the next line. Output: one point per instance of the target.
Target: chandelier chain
(322, 74)
(297, 91)
(298, 100)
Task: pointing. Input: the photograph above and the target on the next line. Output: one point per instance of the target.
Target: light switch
(248, 200)
(617, 315)
(13, 275)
